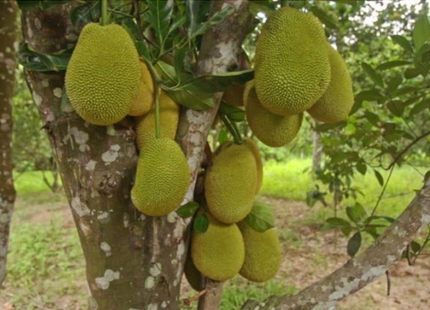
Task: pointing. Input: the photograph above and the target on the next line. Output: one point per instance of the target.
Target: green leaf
(354, 244)
(196, 12)
(213, 20)
(43, 62)
(396, 107)
(403, 42)
(393, 64)
(421, 106)
(143, 50)
(415, 246)
(361, 167)
(201, 223)
(326, 17)
(405, 90)
(376, 78)
(411, 73)
(222, 136)
(421, 31)
(260, 218)
(178, 58)
(338, 222)
(394, 83)
(188, 209)
(356, 213)
(158, 16)
(369, 95)
(191, 97)
(379, 177)
(85, 14)
(233, 113)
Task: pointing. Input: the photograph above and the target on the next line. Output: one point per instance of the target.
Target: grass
(31, 182)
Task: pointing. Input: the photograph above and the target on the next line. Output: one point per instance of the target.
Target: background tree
(8, 44)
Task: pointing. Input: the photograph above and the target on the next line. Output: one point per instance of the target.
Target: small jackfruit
(292, 69)
(145, 97)
(219, 252)
(162, 178)
(169, 118)
(192, 274)
(233, 95)
(336, 103)
(271, 129)
(103, 75)
(262, 253)
(258, 160)
(230, 183)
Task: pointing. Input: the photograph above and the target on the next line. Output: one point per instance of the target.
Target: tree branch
(362, 270)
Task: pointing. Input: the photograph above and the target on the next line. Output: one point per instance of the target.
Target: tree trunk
(133, 261)
(8, 44)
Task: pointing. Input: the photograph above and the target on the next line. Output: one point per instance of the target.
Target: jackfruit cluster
(103, 75)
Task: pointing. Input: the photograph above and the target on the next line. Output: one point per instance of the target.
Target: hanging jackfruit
(145, 96)
(162, 177)
(169, 117)
(258, 160)
(271, 129)
(230, 183)
(292, 69)
(219, 252)
(336, 103)
(103, 75)
(262, 253)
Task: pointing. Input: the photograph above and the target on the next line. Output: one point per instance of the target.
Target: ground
(309, 255)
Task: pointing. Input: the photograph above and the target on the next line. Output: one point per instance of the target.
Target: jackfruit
(271, 129)
(169, 118)
(230, 183)
(145, 97)
(233, 95)
(258, 160)
(262, 253)
(162, 178)
(219, 252)
(336, 103)
(103, 75)
(292, 69)
(192, 274)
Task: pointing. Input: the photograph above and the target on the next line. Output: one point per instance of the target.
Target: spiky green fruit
(292, 69)
(271, 129)
(258, 160)
(102, 77)
(145, 96)
(336, 103)
(230, 183)
(262, 253)
(219, 252)
(162, 178)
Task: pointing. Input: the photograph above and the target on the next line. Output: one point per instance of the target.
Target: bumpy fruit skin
(162, 178)
(262, 253)
(336, 103)
(258, 160)
(219, 252)
(292, 69)
(145, 96)
(103, 74)
(169, 117)
(271, 129)
(230, 183)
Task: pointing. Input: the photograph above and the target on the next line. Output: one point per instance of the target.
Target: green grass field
(45, 262)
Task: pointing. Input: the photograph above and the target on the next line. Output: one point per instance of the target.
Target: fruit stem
(104, 18)
(157, 112)
(232, 128)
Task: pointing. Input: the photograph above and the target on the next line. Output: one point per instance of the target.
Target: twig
(387, 274)
(187, 301)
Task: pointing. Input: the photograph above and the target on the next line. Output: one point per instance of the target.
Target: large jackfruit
(336, 103)
(103, 74)
(162, 178)
(169, 118)
(230, 183)
(271, 129)
(219, 252)
(262, 253)
(292, 69)
(145, 96)
(258, 160)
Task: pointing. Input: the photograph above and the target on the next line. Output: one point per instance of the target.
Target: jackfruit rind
(262, 253)
(271, 129)
(102, 77)
(336, 103)
(230, 183)
(192, 274)
(162, 178)
(145, 96)
(218, 253)
(292, 69)
(169, 118)
(258, 160)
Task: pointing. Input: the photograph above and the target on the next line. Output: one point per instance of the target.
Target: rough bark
(8, 44)
(363, 269)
